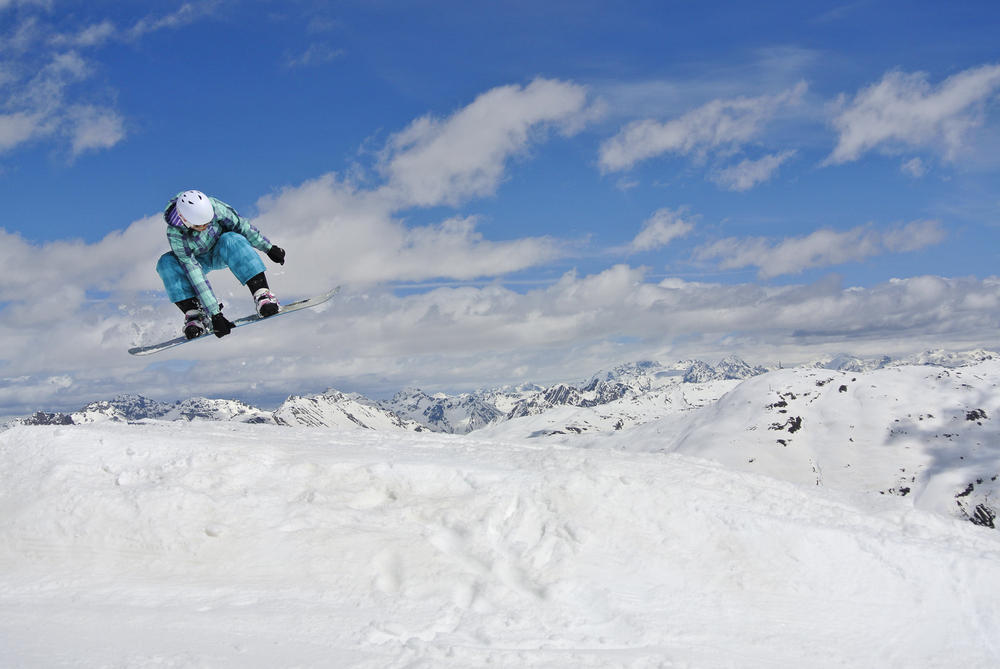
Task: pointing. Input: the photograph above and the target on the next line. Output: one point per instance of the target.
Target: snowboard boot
(196, 322)
(264, 299)
(267, 303)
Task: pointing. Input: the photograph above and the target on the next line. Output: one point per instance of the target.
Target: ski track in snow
(233, 545)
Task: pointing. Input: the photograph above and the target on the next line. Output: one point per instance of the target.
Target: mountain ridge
(409, 409)
(626, 385)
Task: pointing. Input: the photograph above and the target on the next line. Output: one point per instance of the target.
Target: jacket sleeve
(194, 271)
(231, 221)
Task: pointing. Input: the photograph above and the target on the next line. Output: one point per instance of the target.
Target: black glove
(277, 254)
(221, 325)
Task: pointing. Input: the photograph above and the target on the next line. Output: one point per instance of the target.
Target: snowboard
(307, 303)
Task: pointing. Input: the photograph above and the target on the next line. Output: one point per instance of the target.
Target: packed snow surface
(211, 544)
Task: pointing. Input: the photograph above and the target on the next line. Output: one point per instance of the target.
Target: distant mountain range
(630, 394)
(412, 409)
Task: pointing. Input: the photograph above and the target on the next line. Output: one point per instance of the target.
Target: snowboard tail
(239, 322)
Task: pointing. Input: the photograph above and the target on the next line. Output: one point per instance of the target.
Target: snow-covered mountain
(444, 413)
(342, 410)
(634, 384)
(928, 433)
(850, 363)
(943, 358)
(414, 409)
(612, 399)
(937, 358)
(132, 408)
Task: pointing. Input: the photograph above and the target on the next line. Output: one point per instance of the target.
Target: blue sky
(509, 191)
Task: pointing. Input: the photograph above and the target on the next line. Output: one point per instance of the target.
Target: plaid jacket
(187, 244)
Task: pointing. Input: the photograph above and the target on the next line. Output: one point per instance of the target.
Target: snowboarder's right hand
(277, 254)
(221, 325)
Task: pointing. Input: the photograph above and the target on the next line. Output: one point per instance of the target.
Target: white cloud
(913, 236)
(22, 37)
(915, 167)
(18, 128)
(44, 71)
(337, 233)
(904, 110)
(822, 248)
(664, 226)
(94, 128)
(42, 108)
(88, 36)
(423, 167)
(750, 173)
(725, 124)
(186, 14)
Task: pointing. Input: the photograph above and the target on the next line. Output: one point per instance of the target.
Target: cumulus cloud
(822, 248)
(664, 226)
(93, 128)
(905, 110)
(423, 167)
(338, 233)
(750, 173)
(724, 124)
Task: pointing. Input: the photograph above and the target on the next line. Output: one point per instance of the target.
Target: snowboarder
(207, 234)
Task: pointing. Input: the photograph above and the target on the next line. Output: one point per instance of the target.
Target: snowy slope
(236, 545)
(930, 434)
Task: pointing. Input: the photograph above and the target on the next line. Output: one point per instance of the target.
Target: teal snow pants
(232, 251)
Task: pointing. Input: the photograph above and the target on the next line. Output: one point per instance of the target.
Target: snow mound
(930, 434)
(238, 545)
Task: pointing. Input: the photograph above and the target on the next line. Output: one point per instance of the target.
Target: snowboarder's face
(197, 228)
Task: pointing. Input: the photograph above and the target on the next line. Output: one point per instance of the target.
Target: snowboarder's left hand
(277, 254)
(221, 325)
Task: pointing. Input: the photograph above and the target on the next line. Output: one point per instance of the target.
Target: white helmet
(195, 208)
